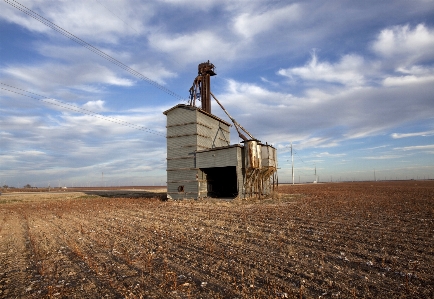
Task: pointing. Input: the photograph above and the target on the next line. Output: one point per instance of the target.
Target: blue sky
(349, 83)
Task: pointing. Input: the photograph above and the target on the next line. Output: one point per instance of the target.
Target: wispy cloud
(376, 147)
(416, 147)
(250, 24)
(415, 134)
(96, 106)
(383, 157)
(412, 76)
(348, 71)
(327, 154)
(48, 75)
(81, 16)
(188, 48)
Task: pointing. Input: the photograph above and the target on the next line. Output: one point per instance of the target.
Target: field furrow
(352, 240)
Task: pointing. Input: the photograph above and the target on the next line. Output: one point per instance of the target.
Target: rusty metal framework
(260, 169)
(201, 88)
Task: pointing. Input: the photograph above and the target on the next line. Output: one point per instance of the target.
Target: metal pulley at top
(201, 90)
(202, 86)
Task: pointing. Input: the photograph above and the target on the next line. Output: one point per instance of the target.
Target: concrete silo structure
(201, 162)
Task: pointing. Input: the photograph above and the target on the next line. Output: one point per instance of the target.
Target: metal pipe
(236, 124)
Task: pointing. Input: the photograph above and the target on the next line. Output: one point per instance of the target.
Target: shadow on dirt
(127, 194)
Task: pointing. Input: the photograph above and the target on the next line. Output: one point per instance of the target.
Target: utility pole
(292, 162)
(316, 178)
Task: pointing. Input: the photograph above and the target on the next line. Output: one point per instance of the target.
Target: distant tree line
(26, 186)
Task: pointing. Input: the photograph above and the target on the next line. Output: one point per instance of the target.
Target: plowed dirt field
(336, 240)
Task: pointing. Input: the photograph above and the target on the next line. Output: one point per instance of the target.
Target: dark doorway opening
(221, 181)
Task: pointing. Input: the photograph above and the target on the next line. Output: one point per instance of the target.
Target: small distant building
(201, 162)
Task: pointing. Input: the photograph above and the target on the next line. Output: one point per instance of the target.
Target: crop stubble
(340, 240)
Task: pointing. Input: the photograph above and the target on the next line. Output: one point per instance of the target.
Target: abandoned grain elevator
(202, 163)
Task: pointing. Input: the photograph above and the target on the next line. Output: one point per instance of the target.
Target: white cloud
(382, 157)
(327, 154)
(113, 20)
(95, 106)
(250, 24)
(416, 147)
(198, 46)
(325, 117)
(253, 92)
(402, 46)
(416, 70)
(11, 122)
(32, 153)
(407, 80)
(194, 4)
(155, 72)
(416, 134)
(74, 143)
(413, 75)
(376, 147)
(76, 53)
(348, 71)
(53, 74)
(407, 45)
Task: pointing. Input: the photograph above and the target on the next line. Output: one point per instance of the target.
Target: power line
(82, 110)
(116, 15)
(298, 157)
(76, 107)
(295, 153)
(111, 11)
(88, 46)
(79, 109)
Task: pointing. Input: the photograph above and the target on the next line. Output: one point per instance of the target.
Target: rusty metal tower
(202, 86)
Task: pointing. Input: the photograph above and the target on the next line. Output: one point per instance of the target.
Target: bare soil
(336, 240)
